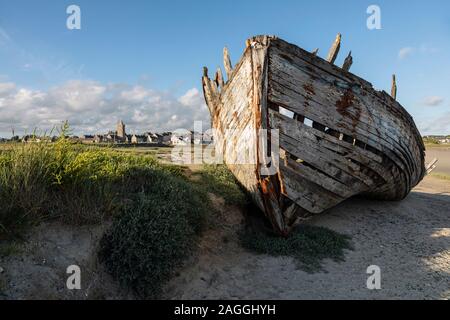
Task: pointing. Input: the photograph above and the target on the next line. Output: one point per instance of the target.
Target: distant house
(161, 138)
(113, 137)
(87, 138)
(181, 139)
(153, 137)
(165, 137)
(98, 138)
(437, 139)
(191, 137)
(31, 138)
(135, 139)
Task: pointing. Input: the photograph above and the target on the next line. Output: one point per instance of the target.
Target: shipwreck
(337, 137)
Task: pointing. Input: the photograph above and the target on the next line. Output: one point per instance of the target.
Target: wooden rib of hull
(338, 137)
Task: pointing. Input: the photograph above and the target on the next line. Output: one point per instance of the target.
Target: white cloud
(137, 93)
(93, 107)
(439, 125)
(423, 49)
(433, 101)
(404, 52)
(77, 96)
(191, 97)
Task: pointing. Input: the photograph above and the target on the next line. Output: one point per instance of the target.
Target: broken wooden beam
(227, 63)
(334, 50)
(348, 62)
(431, 166)
(210, 90)
(394, 88)
(219, 78)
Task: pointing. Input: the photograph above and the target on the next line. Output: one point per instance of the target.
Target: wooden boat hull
(336, 136)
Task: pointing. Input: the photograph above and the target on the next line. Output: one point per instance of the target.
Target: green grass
(75, 183)
(309, 245)
(219, 180)
(439, 175)
(437, 146)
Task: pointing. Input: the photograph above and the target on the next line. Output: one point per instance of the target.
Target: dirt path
(408, 240)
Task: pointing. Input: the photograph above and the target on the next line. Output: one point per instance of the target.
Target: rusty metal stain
(346, 102)
(309, 88)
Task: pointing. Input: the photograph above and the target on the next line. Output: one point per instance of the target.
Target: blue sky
(142, 60)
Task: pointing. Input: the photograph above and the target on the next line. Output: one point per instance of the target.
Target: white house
(180, 139)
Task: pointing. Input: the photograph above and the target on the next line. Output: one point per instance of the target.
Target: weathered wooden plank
(395, 107)
(321, 179)
(347, 62)
(407, 148)
(394, 88)
(300, 130)
(334, 50)
(431, 166)
(306, 194)
(269, 184)
(291, 105)
(219, 78)
(293, 61)
(235, 135)
(314, 110)
(227, 63)
(298, 53)
(345, 172)
(363, 126)
(303, 74)
(357, 117)
(322, 140)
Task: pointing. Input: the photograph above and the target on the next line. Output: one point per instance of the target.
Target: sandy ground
(408, 240)
(38, 269)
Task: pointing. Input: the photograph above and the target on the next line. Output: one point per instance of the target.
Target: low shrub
(309, 245)
(149, 240)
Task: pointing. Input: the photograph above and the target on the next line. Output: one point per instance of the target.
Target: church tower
(121, 129)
